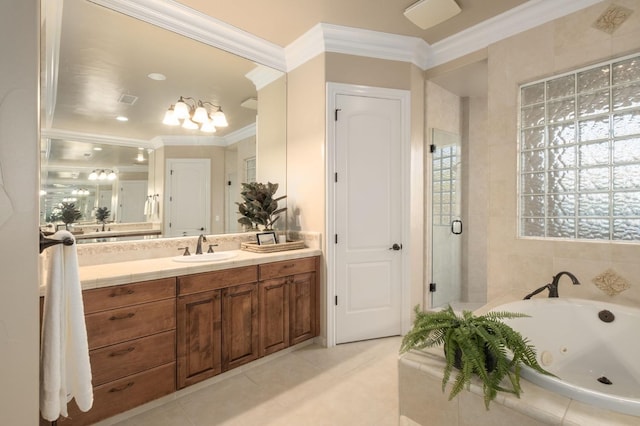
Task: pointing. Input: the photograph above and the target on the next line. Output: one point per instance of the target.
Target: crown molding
(191, 140)
(183, 20)
(94, 138)
(241, 134)
(262, 76)
(519, 19)
(355, 41)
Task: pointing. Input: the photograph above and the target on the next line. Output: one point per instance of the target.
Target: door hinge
(336, 300)
(432, 148)
(336, 113)
(336, 239)
(171, 173)
(335, 177)
(169, 224)
(432, 287)
(170, 198)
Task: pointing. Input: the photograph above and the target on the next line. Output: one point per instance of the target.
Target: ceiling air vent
(127, 99)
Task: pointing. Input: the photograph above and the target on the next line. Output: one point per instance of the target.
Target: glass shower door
(446, 224)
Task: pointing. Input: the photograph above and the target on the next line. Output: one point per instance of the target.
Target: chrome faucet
(553, 287)
(201, 238)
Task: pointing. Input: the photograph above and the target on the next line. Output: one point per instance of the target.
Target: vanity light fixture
(80, 191)
(194, 114)
(102, 174)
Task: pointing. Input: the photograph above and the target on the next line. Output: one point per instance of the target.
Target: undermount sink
(206, 257)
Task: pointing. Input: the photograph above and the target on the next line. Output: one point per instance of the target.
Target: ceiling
(378, 15)
(104, 55)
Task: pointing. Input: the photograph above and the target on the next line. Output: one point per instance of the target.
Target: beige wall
(523, 265)
(19, 147)
(271, 147)
(235, 157)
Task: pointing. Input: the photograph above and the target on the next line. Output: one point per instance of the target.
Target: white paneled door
(368, 217)
(187, 198)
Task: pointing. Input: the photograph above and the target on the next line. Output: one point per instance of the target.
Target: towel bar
(48, 242)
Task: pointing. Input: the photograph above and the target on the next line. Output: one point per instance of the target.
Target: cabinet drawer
(101, 299)
(118, 325)
(218, 279)
(122, 395)
(287, 267)
(117, 361)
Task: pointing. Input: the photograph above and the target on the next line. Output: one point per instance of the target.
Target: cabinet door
(199, 337)
(303, 310)
(274, 315)
(240, 325)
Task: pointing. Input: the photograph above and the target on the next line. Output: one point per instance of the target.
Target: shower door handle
(456, 227)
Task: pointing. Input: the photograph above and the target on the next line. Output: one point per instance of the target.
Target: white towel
(147, 207)
(65, 371)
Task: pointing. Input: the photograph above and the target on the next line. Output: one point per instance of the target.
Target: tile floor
(351, 384)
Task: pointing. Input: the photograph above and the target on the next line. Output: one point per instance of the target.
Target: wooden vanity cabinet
(217, 322)
(131, 334)
(289, 311)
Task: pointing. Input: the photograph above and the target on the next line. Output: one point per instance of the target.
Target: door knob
(396, 247)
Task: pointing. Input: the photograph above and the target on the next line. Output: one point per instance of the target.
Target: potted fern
(477, 346)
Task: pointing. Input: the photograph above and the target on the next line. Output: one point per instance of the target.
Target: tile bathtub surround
(104, 253)
(352, 384)
(423, 402)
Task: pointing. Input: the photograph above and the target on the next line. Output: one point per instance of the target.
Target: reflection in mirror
(104, 96)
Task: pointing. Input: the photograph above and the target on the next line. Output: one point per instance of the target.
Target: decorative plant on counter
(102, 215)
(481, 346)
(69, 214)
(259, 206)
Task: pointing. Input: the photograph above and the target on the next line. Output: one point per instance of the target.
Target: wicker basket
(271, 248)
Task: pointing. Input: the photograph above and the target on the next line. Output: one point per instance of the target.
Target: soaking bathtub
(592, 347)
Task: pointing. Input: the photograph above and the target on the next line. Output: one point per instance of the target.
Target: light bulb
(188, 124)
(219, 119)
(181, 110)
(93, 175)
(111, 175)
(170, 118)
(201, 115)
(102, 175)
(208, 127)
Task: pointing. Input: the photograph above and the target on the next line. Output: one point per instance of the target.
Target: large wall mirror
(108, 80)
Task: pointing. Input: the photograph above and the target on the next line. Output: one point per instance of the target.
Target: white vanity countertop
(97, 276)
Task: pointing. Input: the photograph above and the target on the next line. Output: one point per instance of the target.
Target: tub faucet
(553, 287)
(201, 238)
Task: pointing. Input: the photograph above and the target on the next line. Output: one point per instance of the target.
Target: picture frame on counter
(266, 238)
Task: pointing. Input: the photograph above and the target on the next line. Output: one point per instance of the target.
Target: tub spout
(553, 287)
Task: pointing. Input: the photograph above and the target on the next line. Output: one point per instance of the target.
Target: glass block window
(579, 154)
(445, 208)
(250, 170)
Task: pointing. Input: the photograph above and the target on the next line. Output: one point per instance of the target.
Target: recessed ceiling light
(97, 148)
(122, 118)
(157, 76)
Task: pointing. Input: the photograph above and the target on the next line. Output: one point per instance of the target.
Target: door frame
(404, 96)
